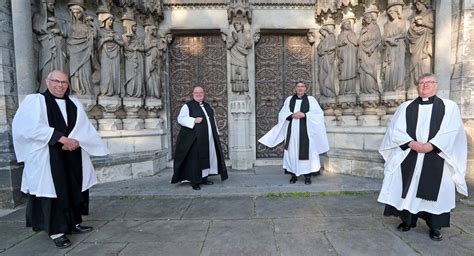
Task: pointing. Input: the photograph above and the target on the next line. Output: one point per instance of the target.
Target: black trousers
(434, 221)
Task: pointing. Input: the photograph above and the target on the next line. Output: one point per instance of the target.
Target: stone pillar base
(385, 120)
(348, 121)
(369, 120)
(154, 123)
(110, 124)
(133, 124)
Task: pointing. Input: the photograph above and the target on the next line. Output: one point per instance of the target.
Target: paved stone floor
(253, 213)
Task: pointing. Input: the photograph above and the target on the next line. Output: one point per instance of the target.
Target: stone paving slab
(368, 242)
(150, 231)
(304, 244)
(163, 248)
(240, 237)
(285, 207)
(221, 208)
(327, 224)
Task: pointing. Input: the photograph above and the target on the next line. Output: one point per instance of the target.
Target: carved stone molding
(194, 4)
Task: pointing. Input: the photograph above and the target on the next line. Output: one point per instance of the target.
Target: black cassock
(59, 215)
(192, 147)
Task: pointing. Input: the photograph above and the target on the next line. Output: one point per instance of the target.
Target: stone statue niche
(368, 53)
(153, 62)
(347, 53)
(239, 44)
(393, 69)
(420, 40)
(109, 49)
(80, 46)
(51, 36)
(326, 58)
(134, 61)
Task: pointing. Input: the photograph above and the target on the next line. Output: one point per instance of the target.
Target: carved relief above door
(199, 60)
(280, 61)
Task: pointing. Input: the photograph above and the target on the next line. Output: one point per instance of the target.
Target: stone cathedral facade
(133, 63)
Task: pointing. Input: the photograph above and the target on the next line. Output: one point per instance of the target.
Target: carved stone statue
(369, 41)
(109, 46)
(80, 47)
(420, 40)
(238, 44)
(134, 63)
(51, 35)
(393, 68)
(326, 56)
(153, 62)
(347, 53)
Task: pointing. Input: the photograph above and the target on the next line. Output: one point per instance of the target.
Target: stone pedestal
(370, 116)
(391, 100)
(153, 105)
(241, 151)
(89, 102)
(347, 103)
(110, 105)
(132, 106)
(329, 106)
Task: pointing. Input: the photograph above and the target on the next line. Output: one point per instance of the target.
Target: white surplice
(187, 121)
(450, 139)
(31, 134)
(318, 142)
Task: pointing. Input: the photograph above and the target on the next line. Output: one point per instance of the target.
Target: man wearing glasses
(425, 153)
(54, 138)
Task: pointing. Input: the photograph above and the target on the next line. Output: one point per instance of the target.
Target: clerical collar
(54, 97)
(426, 101)
(200, 103)
(300, 97)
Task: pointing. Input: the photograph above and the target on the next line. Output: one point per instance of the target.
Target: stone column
(23, 44)
(241, 151)
(10, 170)
(442, 61)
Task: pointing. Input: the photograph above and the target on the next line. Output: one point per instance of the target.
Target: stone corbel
(239, 8)
(256, 37)
(311, 36)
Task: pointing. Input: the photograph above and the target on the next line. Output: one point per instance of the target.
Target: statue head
(394, 12)
(77, 13)
(106, 20)
(422, 5)
(151, 30)
(238, 26)
(50, 5)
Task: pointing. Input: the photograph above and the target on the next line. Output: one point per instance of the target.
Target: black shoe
(205, 181)
(435, 235)
(307, 180)
(196, 187)
(62, 242)
(405, 227)
(78, 229)
(293, 179)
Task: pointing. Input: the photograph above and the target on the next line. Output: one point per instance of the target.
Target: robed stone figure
(425, 153)
(198, 151)
(301, 126)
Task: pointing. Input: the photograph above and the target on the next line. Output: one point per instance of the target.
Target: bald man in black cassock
(198, 151)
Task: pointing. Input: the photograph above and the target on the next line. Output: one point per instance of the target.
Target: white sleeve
(184, 119)
(30, 127)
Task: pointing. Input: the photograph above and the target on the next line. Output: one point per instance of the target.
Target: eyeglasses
(57, 82)
(427, 83)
